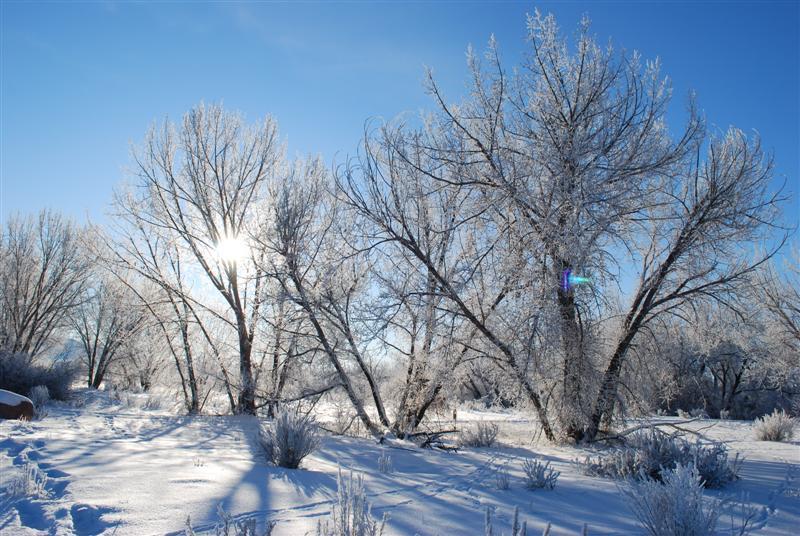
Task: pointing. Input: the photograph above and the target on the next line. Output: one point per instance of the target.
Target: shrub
(385, 463)
(18, 373)
(351, 514)
(153, 403)
(227, 526)
(517, 529)
(484, 434)
(40, 396)
(698, 413)
(29, 482)
(501, 479)
(539, 475)
(713, 464)
(290, 438)
(776, 427)
(674, 507)
(648, 453)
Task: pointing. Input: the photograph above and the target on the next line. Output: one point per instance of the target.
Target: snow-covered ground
(119, 469)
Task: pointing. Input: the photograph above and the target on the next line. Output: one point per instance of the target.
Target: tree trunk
(247, 391)
(194, 405)
(571, 412)
(608, 388)
(331, 353)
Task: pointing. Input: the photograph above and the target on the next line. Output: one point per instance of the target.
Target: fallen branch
(432, 440)
(625, 433)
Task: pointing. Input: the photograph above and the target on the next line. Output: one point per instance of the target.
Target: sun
(232, 250)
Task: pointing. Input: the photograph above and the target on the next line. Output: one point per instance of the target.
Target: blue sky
(81, 81)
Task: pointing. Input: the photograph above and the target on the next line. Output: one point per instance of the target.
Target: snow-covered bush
(501, 479)
(779, 426)
(648, 453)
(517, 529)
(28, 482)
(289, 438)
(125, 399)
(385, 463)
(539, 475)
(20, 374)
(153, 403)
(698, 413)
(483, 434)
(674, 506)
(40, 396)
(228, 526)
(343, 418)
(713, 464)
(351, 514)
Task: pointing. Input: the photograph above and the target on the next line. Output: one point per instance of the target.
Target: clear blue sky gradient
(82, 81)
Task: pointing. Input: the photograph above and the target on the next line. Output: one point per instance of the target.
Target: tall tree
(409, 200)
(43, 273)
(572, 143)
(307, 265)
(698, 245)
(202, 185)
(105, 322)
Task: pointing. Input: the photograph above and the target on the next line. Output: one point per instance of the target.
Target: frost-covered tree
(201, 185)
(565, 165)
(306, 260)
(716, 360)
(408, 203)
(781, 298)
(698, 243)
(572, 144)
(154, 269)
(43, 273)
(107, 320)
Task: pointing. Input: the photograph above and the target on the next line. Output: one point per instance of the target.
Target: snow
(119, 469)
(12, 399)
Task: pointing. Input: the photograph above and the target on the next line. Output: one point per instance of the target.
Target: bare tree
(105, 323)
(283, 324)
(781, 297)
(412, 323)
(571, 144)
(43, 273)
(697, 245)
(308, 268)
(407, 197)
(145, 361)
(565, 166)
(351, 303)
(139, 253)
(202, 185)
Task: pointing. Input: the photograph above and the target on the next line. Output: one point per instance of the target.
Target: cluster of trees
(434, 261)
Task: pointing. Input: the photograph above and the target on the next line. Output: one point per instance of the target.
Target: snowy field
(118, 469)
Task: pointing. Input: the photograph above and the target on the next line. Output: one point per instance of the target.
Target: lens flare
(569, 280)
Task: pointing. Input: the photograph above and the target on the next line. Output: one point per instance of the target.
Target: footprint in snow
(32, 514)
(47, 468)
(87, 520)
(12, 447)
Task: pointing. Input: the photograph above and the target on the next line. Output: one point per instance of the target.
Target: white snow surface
(118, 469)
(12, 399)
